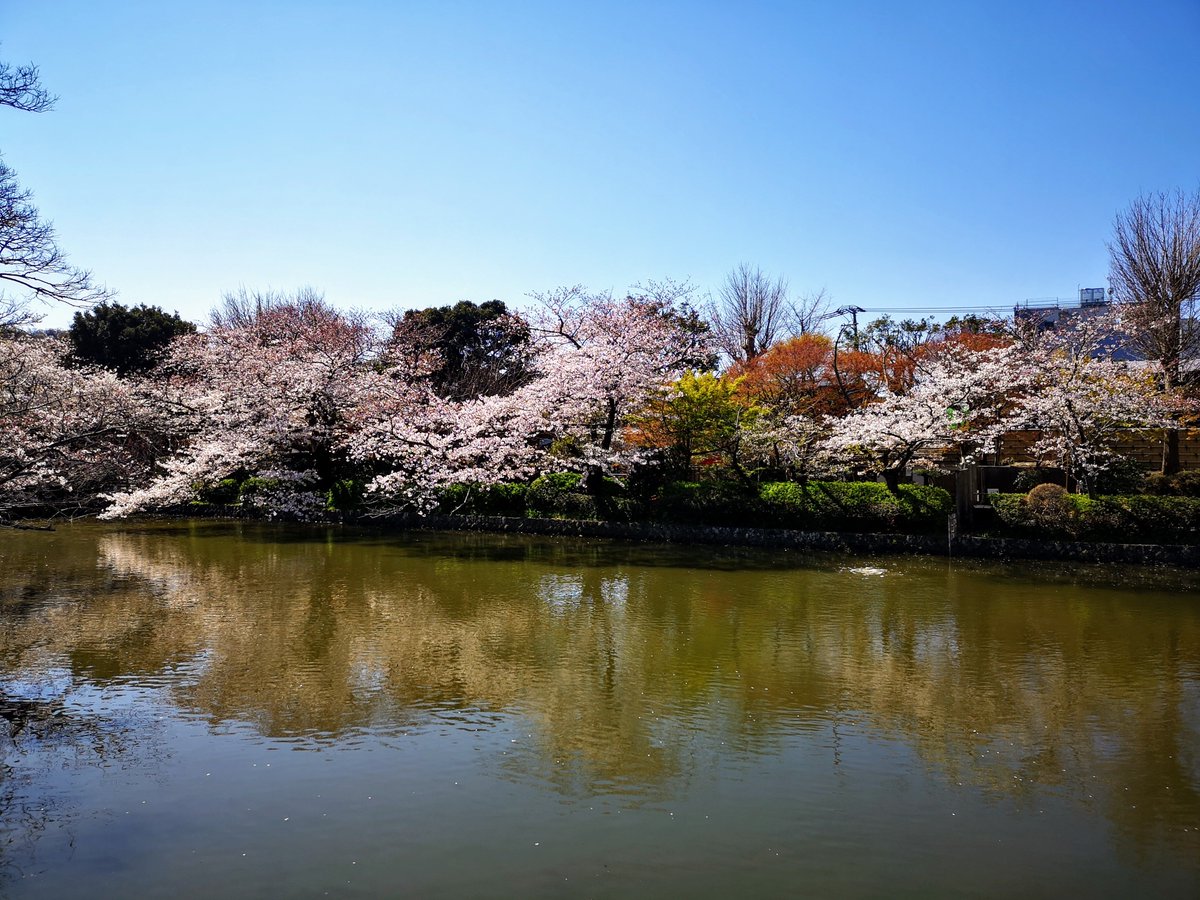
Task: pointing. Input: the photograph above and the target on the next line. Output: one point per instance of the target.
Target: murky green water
(213, 710)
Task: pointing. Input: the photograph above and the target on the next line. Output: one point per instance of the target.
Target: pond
(221, 709)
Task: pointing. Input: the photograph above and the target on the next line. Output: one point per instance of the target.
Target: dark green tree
(124, 339)
(481, 348)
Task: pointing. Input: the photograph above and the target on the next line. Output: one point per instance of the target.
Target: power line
(883, 309)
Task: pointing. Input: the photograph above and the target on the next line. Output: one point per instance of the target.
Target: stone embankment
(965, 545)
(842, 542)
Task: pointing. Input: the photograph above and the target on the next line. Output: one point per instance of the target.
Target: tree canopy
(482, 350)
(124, 339)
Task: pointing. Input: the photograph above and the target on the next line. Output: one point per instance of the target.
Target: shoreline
(970, 546)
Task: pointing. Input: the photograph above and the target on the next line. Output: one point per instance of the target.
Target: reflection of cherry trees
(627, 675)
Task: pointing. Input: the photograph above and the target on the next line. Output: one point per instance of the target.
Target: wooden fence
(1142, 446)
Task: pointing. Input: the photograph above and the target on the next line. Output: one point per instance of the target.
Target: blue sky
(899, 155)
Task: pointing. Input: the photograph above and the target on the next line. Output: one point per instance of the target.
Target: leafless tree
(1154, 274)
(750, 312)
(21, 88)
(242, 308)
(30, 259)
(807, 312)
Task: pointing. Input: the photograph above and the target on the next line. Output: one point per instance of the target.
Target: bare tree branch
(21, 88)
(750, 313)
(1154, 274)
(30, 258)
(807, 312)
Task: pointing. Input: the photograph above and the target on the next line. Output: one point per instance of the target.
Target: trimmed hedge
(1181, 484)
(223, 492)
(1141, 518)
(560, 495)
(704, 503)
(815, 506)
(855, 506)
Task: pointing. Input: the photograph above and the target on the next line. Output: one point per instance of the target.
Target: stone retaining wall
(841, 542)
(1186, 556)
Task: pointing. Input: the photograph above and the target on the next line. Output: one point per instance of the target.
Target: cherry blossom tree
(69, 434)
(271, 398)
(957, 399)
(597, 361)
(1079, 398)
(602, 360)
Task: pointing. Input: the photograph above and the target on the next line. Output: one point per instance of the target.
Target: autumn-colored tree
(794, 377)
(700, 415)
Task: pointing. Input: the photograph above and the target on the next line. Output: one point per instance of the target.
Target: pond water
(215, 709)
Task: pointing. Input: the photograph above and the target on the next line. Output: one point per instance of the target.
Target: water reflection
(630, 678)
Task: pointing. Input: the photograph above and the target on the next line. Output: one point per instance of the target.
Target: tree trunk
(1170, 457)
(891, 477)
(610, 425)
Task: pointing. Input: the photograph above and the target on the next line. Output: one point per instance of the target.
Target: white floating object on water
(867, 570)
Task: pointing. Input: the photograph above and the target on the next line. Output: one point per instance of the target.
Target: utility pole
(853, 312)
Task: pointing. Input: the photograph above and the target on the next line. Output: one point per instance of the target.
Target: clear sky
(898, 154)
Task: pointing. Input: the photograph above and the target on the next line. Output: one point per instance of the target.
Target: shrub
(1159, 518)
(1140, 518)
(1028, 479)
(814, 506)
(346, 493)
(505, 499)
(707, 503)
(855, 506)
(452, 499)
(224, 491)
(1181, 484)
(1122, 476)
(1051, 508)
(560, 495)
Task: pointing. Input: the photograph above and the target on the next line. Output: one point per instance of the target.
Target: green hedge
(855, 506)
(815, 506)
(224, 491)
(1142, 518)
(484, 500)
(560, 495)
(1181, 484)
(705, 503)
(346, 493)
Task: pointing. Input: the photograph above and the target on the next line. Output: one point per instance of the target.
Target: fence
(1142, 446)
